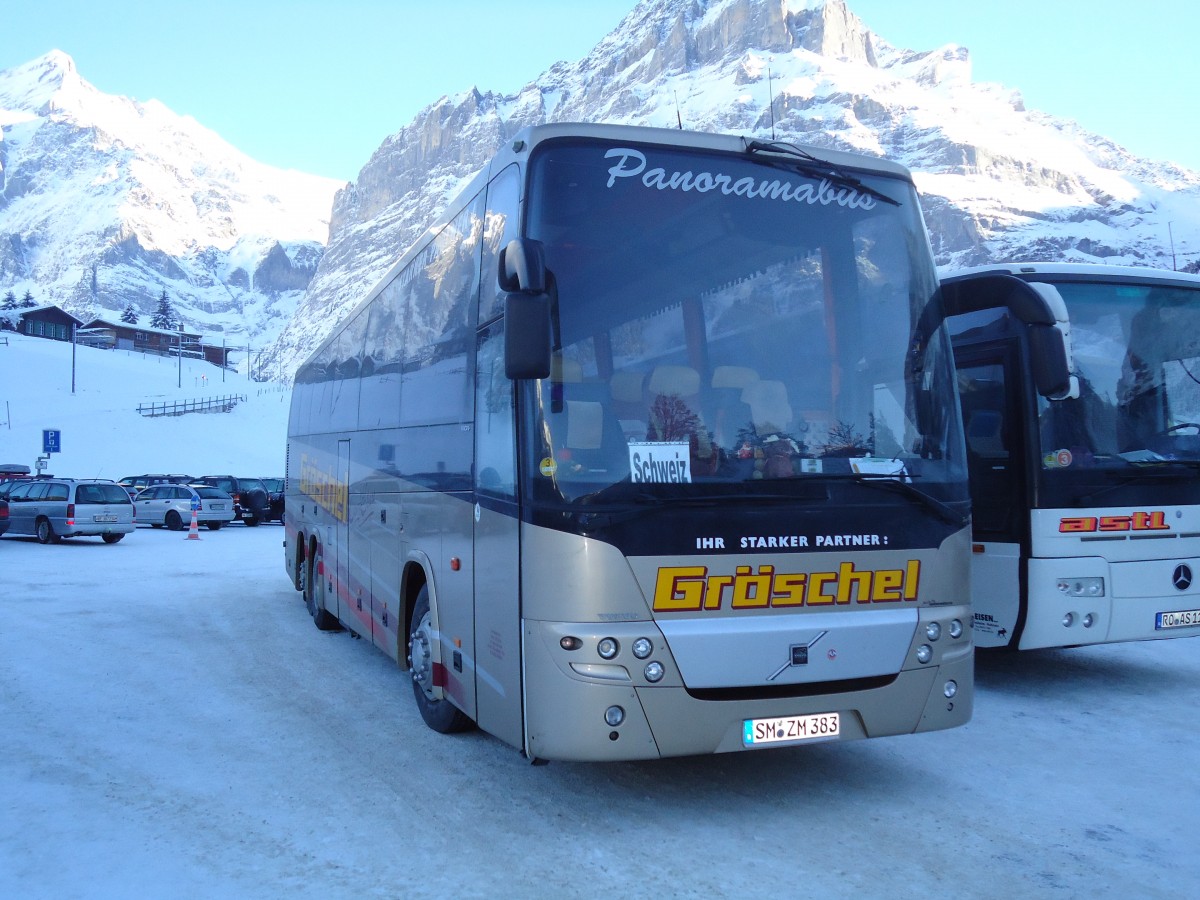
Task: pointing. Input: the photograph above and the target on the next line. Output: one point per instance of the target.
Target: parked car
(275, 493)
(135, 484)
(3, 516)
(12, 474)
(171, 505)
(57, 508)
(251, 500)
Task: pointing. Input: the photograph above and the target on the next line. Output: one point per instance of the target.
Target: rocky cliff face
(998, 181)
(105, 202)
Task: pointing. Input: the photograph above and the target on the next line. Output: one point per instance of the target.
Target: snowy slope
(998, 181)
(103, 436)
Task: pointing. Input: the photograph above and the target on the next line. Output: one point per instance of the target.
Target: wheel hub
(420, 656)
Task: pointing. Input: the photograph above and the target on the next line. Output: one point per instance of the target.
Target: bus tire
(439, 714)
(314, 597)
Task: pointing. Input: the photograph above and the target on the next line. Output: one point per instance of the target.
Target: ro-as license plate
(790, 729)
(1183, 618)
(216, 506)
(104, 518)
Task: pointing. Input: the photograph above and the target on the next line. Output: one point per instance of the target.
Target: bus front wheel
(439, 714)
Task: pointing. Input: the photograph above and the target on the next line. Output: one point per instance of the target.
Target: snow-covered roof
(45, 307)
(117, 323)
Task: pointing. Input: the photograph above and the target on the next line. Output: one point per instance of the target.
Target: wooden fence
(182, 407)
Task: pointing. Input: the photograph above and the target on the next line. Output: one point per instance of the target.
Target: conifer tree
(130, 316)
(27, 300)
(10, 301)
(164, 315)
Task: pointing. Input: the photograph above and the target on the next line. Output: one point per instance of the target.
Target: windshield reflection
(709, 343)
(1137, 354)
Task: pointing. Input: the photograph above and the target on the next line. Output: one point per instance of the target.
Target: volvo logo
(798, 656)
(1182, 579)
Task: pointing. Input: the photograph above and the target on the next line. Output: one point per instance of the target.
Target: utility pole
(179, 379)
(1171, 235)
(73, 329)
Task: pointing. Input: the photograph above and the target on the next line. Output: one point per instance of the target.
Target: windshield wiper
(892, 483)
(817, 167)
(1142, 472)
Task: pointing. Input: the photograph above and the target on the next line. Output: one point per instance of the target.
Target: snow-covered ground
(103, 435)
(172, 725)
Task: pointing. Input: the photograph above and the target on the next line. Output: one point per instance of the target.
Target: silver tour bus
(1086, 505)
(649, 447)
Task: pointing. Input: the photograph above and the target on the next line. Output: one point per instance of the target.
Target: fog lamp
(614, 716)
(1068, 620)
(950, 688)
(1081, 587)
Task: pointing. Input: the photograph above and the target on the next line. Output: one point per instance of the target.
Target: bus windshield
(1137, 356)
(733, 325)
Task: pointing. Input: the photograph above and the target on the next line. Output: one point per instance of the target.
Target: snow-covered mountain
(106, 202)
(998, 181)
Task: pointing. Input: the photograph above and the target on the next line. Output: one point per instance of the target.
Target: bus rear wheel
(439, 714)
(314, 597)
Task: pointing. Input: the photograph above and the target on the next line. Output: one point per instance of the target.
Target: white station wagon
(57, 508)
(171, 505)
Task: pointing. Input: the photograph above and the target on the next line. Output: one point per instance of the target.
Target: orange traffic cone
(194, 530)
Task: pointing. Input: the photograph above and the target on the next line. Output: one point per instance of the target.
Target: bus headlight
(654, 672)
(933, 630)
(956, 629)
(608, 648)
(642, 647)
(924, 653)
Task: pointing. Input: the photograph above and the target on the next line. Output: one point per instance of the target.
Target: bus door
(990, 390)
(498, 688)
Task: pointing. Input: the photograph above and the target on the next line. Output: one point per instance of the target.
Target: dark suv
(275, 488)
(251, 499)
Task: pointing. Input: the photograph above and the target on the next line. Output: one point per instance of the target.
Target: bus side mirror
(527, 336)
(1039, 308)
(523, 267)
(1048, 359)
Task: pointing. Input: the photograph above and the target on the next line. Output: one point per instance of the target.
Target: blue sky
(317, 86)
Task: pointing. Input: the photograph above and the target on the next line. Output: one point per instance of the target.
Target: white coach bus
(1086, 507)
(649, 447)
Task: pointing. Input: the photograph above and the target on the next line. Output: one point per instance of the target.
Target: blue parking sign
(51, 441)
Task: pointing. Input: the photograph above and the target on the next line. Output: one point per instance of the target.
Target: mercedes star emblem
(1182, 579)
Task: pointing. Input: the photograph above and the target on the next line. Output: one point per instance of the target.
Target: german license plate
(1183, 618)
(104, 518)
(790, 729)
(216, 506)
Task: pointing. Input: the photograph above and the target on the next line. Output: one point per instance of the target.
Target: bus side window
(499, 227)
(495, 439)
